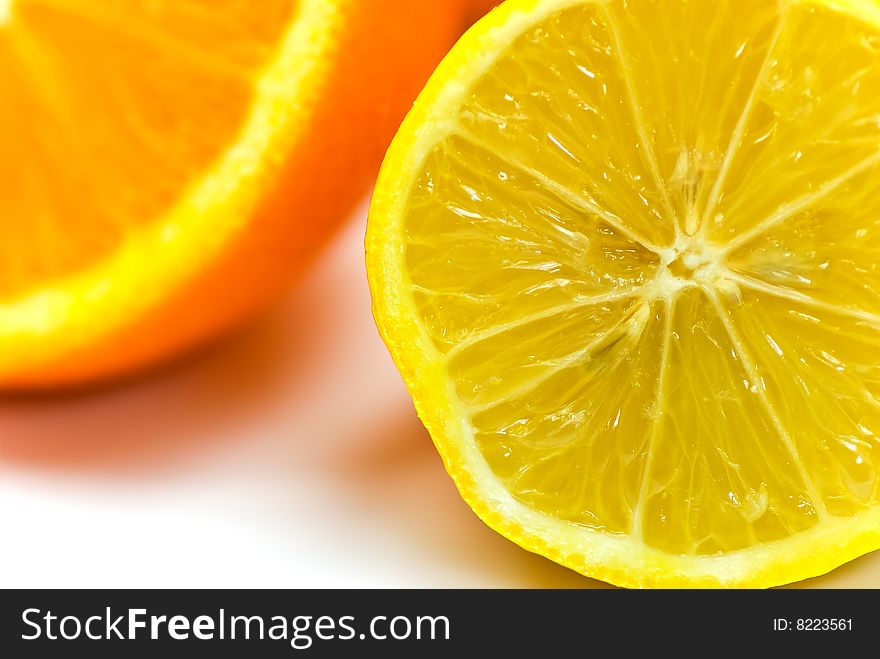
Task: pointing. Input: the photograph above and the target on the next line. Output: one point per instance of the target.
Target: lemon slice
(625, 255)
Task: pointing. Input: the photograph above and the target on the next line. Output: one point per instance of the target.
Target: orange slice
(168, 166)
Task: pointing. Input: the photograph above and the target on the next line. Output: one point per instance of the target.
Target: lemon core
(691, 261)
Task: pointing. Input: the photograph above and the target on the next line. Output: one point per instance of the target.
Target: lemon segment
(625, 255)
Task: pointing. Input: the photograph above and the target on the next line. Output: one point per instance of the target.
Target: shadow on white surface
(155, 419)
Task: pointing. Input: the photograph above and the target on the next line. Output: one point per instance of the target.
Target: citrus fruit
(169, 166)
(626, 255)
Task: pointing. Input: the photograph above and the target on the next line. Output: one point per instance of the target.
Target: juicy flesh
(648, 253)
(110, 109)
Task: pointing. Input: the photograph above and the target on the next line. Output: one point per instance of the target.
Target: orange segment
(173, 165)
(116, 111)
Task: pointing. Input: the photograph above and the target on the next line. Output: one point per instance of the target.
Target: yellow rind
(617, 559)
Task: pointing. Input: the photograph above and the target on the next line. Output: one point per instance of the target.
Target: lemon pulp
(642, 243)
